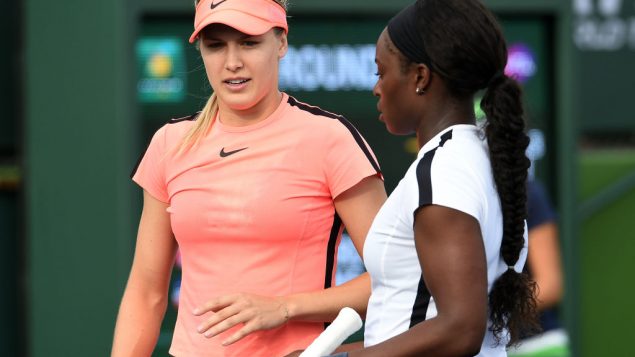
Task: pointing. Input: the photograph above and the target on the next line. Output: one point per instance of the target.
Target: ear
(284, 45)
(422, 76)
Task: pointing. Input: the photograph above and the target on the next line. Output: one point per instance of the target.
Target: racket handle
(345, 324)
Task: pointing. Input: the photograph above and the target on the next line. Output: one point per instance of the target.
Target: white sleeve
(452, 183)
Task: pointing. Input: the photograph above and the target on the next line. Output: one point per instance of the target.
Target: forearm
(434, 337)
(324, 305)
(138, 324)
(549, 295)
(545, 265)
(350, 347)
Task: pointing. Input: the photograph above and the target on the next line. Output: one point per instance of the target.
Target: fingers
(255, 312)
(249, 328)
(215, 304)
(222, 321)
(228, 311)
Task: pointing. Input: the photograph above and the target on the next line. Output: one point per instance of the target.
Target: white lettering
(607, 8)
(583, 7)
(347, 59)
(329, 68)
(602, 26)
(307, 63)
(609, 35)
(610, 8)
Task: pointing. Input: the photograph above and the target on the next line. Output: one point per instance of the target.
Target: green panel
(609, 109)
(197, 88)
(604, 34)
(536, 32)
(607, 257)
(79, 131)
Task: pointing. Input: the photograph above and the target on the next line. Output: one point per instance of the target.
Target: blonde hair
(206, 117)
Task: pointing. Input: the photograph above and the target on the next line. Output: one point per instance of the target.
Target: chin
(391, 130)
(241, 104)
(398, 131)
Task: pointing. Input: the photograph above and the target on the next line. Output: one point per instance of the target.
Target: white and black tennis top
(451, 170)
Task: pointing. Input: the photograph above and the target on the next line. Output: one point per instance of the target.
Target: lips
(236, 81)
(236, 84)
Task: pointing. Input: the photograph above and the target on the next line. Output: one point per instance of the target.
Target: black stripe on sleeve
(445, 137)
(356, 135)
(330, 251)
(424, 175)
(424, 181)
(420, 307)
(424, 178)
(192, 117)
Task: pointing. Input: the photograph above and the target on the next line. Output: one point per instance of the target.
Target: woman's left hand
(253, 311)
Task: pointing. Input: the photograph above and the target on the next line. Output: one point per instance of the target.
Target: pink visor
(253, 17)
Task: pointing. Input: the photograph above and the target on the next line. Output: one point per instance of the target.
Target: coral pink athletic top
(252, 210)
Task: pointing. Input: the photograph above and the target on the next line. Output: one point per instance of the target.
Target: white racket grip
(345, 324)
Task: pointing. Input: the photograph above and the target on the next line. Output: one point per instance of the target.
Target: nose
(233, 62)
(376, 89)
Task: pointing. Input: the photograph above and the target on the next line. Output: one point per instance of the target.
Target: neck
(249, 116)
(450, 112)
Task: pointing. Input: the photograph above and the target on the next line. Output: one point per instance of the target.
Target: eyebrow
(244, 36)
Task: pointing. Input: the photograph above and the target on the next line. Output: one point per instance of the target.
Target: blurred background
(84, 84)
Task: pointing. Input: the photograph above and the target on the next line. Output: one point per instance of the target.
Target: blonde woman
(255, 191)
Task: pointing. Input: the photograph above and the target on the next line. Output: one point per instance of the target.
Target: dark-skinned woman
(447, 249)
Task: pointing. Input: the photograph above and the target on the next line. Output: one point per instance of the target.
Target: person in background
(255, 191)
(544, 265)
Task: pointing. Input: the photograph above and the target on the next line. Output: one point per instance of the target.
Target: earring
(420, 91)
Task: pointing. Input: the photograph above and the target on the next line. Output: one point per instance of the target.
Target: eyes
(380, 69)
(379, 73)
(217, 45)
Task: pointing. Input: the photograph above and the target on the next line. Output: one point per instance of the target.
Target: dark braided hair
(466, 48)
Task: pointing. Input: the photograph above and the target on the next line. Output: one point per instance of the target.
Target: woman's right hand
(255, 312)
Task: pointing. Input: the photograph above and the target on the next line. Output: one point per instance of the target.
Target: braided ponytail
(467, 49)
(512, 299)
